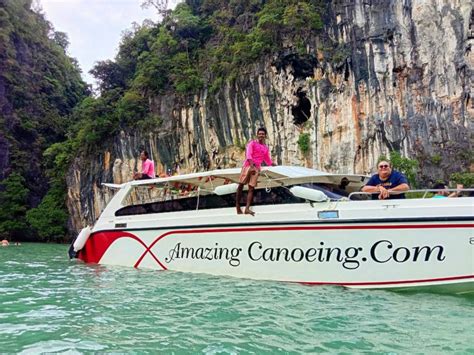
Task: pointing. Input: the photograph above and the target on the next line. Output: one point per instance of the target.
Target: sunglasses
(383, 166)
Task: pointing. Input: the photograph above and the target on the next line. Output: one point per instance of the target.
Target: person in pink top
(257, 152)
(148, 168)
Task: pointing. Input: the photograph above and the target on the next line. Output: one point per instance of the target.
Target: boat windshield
(142, 203)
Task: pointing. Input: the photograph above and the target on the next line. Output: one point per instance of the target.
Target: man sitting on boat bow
(148, 168)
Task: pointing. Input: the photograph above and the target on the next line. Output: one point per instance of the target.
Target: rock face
(398, 80)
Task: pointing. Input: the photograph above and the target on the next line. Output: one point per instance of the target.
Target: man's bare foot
(247, 211)
(239, 211)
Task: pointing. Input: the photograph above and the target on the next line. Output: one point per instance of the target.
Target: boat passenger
(148, 168)
(443, 192)
(341, 188)
(386, 181)
(344, 183)
(257, 152)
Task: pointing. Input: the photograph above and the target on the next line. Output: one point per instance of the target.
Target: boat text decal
(350, 258)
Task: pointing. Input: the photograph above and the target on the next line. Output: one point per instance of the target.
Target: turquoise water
(49, 304)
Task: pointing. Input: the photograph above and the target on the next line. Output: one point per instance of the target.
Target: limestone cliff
(400, 79)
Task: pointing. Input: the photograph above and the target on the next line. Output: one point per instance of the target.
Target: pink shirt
(258, 153)
(148, 168)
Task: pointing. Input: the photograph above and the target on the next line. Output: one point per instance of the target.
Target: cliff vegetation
(39, 87)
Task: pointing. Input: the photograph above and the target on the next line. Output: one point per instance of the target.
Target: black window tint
(275, 196)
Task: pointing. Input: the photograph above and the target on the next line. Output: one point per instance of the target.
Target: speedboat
(309, 227)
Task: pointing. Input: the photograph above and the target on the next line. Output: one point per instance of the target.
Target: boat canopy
(269, 177)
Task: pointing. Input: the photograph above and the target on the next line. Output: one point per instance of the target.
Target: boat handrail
(112, 186)
(425, 191)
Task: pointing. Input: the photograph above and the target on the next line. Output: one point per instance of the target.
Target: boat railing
(421, 193)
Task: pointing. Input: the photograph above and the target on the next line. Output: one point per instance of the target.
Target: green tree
(61, 39)
(466, 179)
(407, 166)
(184, 22)
(131, 108)
(161, 6)
(13, 202)
(301, 17)
(50, 217)
(109, 75)
(304, 143)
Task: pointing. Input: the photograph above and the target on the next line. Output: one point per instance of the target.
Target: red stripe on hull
(386, 283)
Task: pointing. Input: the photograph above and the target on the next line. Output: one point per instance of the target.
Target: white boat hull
(359, 255)
(298, 234)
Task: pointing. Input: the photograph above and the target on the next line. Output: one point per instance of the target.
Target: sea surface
(50, 304)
